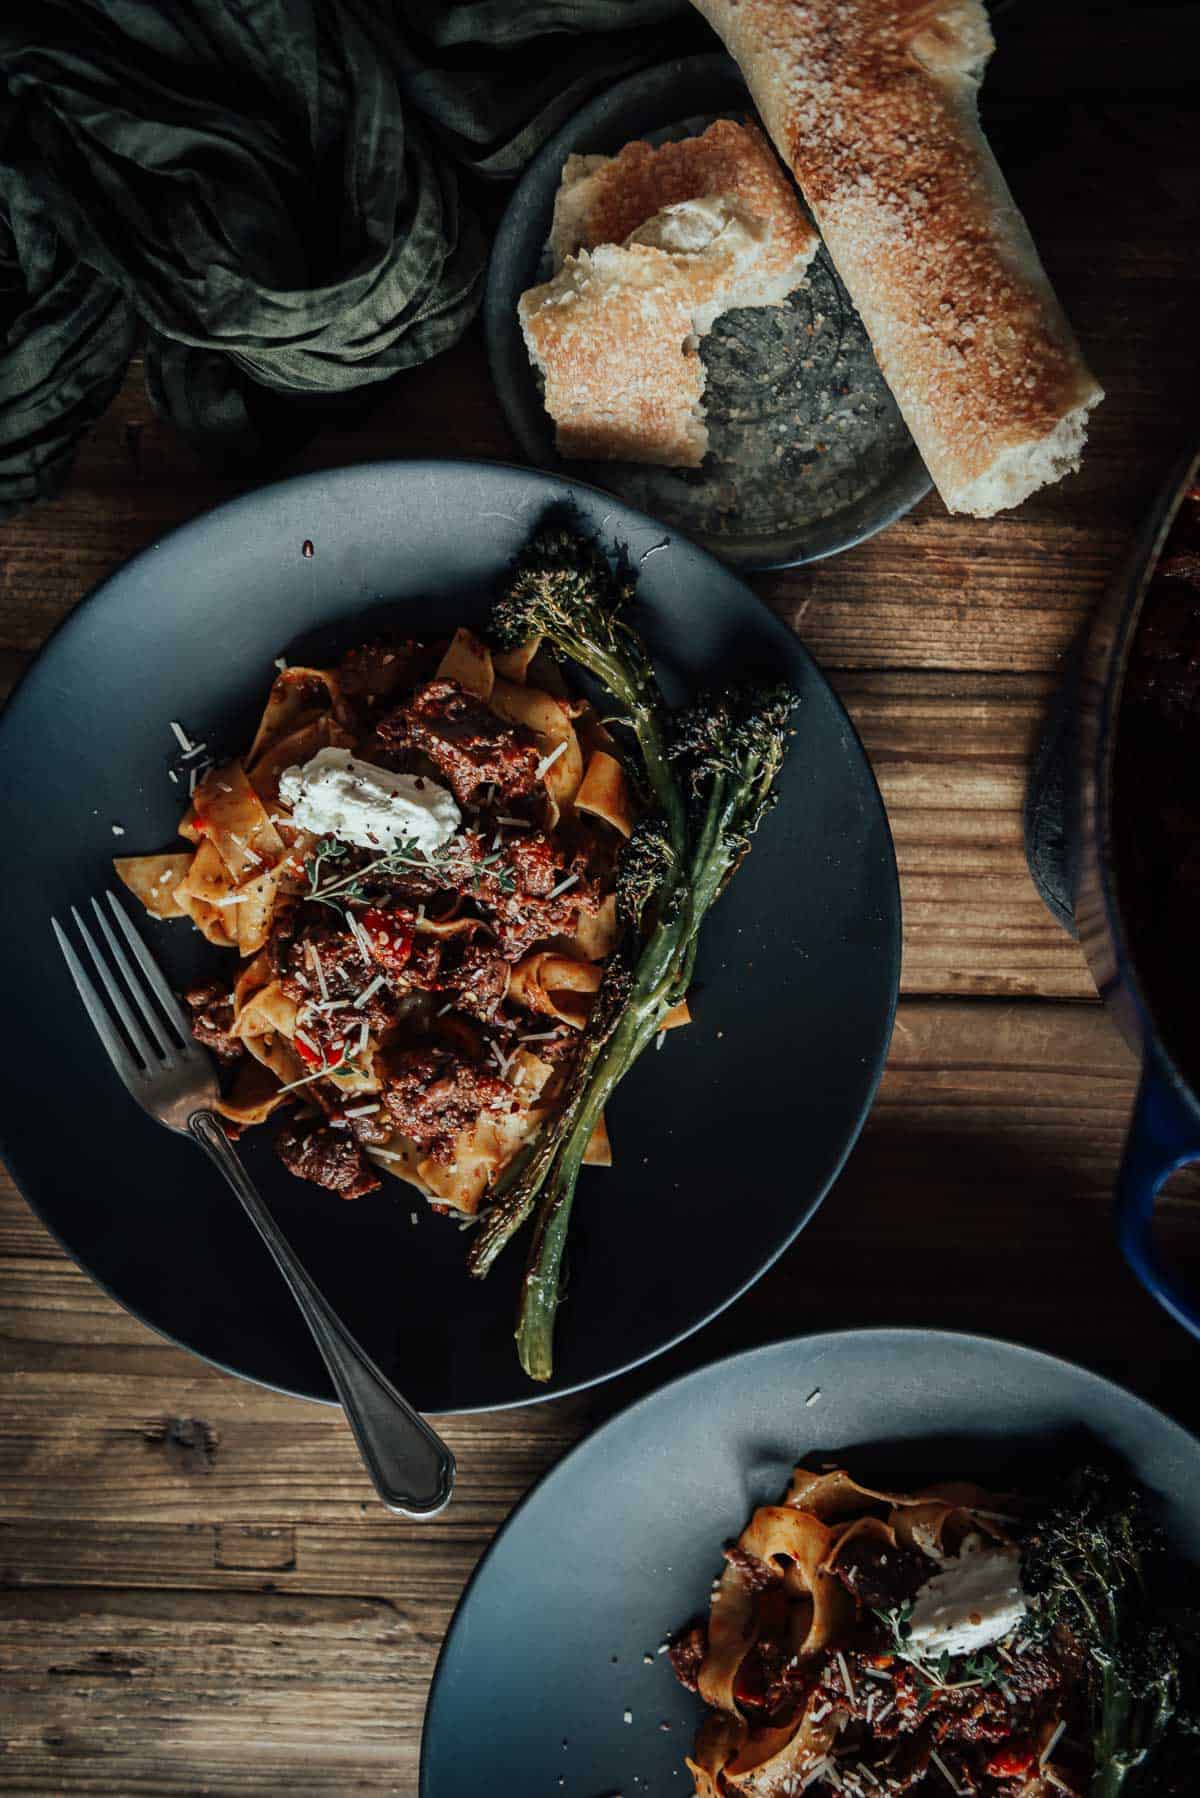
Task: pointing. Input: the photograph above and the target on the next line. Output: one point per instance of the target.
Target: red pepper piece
(312, 1056)
(1009, 1763)
(390, 937)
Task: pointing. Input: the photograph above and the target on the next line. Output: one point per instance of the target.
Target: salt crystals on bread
(872, 103)
(652, 246)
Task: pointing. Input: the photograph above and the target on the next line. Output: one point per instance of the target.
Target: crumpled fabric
(266, 193)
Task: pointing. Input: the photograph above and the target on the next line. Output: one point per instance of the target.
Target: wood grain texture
(951, 753)
(197, 1590)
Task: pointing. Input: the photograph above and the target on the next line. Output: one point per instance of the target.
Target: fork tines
(162, 1039)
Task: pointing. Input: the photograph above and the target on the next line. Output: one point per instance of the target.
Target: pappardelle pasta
(414, 1001)
(870, 1643)
(466, 900)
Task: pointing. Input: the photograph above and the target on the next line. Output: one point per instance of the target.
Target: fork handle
(412, 1468)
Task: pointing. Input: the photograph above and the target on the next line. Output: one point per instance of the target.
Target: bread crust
(872, 104)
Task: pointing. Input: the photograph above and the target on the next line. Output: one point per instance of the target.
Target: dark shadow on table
(959, 1231)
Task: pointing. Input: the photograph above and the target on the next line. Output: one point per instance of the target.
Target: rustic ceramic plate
(725, 1142)
(543, 1686)
(808, 454)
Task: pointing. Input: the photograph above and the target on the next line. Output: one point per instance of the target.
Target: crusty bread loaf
(872, 104)
(652, 245)
(608, 199)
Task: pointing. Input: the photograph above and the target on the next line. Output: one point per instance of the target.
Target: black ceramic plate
(725, 1141)
(543, 1687)
(808, 454)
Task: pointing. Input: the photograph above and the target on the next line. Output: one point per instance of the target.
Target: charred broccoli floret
(647, 871)
(1095, 1572)
(563, 590)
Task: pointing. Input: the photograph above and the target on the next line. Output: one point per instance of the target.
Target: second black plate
(550, 1681)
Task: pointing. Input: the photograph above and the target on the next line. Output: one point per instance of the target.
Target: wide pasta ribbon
(247, 859)
(800, 1542)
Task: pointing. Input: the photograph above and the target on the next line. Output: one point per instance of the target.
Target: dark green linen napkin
(267, 192)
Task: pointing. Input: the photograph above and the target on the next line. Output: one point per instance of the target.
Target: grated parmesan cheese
(1052, 1744)
(547, 762)
(314, 962)
(944, 1770)
(359, 934)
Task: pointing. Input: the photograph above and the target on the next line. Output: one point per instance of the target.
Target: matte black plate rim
(552, 480)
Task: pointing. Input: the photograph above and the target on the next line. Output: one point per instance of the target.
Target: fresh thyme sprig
(934, 1674)
(444, 865)
(327, 850)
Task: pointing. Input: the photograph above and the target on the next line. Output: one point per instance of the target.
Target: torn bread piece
(608, 199)
(612, 336)
(872, 103)
(706, 225)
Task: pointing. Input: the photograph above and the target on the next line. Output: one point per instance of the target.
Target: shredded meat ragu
(881, 1577)
(433, 1094)
(478, 976)
(470, 746)
(328, 1157)
(686, 1653)
(369, 951)
(211, 1006)
(529, 915)
(757, 1574)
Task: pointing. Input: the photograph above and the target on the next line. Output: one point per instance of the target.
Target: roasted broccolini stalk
(708, 775)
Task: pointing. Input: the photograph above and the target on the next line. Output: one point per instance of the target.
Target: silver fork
(173, 1078)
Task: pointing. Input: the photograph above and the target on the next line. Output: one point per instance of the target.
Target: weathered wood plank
(951, 753)
(186, 1691)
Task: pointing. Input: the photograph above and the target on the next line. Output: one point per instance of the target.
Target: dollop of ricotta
(336, 795)
(975, 1600)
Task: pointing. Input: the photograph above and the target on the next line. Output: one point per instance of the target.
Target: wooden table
(197, 1591)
